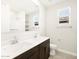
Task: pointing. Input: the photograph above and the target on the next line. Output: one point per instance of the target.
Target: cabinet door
(34, 56)
(45, 50)
(42, 52)
(34, 53)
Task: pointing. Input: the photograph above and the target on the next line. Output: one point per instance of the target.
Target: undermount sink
(17, 46)
(12, 42)
(11, 49)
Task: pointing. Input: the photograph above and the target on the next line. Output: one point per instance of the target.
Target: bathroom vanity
(40, 51)
(35, 48)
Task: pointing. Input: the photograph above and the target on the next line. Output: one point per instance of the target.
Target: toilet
(53, 48)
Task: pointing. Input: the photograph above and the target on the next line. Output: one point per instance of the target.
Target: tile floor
(62, 56)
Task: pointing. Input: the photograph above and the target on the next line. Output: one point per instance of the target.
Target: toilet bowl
(53, 48)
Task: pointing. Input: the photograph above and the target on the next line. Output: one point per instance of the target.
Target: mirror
(19, 15)
(32, 20)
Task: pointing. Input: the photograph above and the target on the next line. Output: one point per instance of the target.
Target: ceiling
(28, 5)
(47, 3)
(22, 5)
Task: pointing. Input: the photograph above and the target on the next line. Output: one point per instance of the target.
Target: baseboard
(66, 52)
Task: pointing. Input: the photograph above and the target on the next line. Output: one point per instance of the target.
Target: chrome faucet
(14, 41)
(35, 35)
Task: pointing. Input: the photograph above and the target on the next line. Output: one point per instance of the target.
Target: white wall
(42, 20)
(5, 17)
(11, 19)
(65, 38)
(17, 20)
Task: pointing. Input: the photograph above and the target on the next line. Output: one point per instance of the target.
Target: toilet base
(53, 52)
(53, 49)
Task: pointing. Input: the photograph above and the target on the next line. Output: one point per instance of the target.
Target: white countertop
(11, 51)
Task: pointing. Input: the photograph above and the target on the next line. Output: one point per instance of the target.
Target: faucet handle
(14, 40)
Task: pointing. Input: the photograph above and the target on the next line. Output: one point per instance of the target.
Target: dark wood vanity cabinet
(41, 51)
(45, 50)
